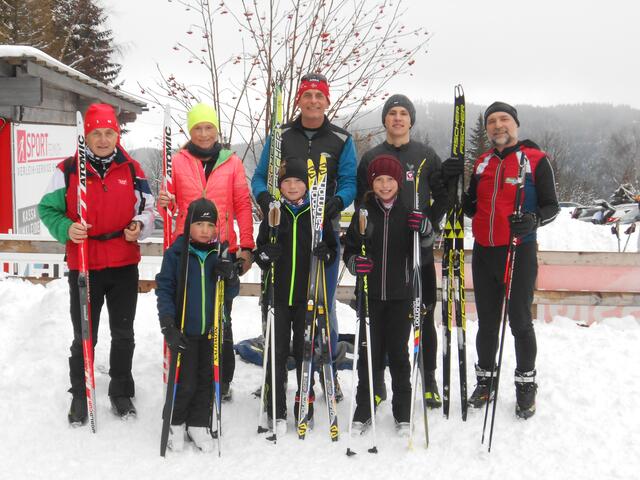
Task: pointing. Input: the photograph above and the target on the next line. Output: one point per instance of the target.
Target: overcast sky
(541, 52)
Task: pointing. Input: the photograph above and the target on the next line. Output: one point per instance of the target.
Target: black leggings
(488, 280)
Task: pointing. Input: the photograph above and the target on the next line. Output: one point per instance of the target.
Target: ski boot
(77, 415)
(201, 437)
(526, 388)
(481, 394)
(176, 438)
(361, 419)
(431, 393)
(123, 407)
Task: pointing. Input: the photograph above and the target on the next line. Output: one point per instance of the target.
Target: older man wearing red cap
(119, 213)
(308, 136)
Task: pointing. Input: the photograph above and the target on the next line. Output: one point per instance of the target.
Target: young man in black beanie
(398, 117)
(490, 201)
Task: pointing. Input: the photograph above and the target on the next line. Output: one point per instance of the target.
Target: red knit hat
(313, 81)
(385, 165)
(100, 115)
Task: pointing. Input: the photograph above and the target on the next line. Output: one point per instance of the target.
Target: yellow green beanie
(202, 113)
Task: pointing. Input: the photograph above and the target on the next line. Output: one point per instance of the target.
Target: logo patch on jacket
(122, 181)
(512, 180)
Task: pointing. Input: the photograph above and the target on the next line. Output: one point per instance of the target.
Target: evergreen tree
(82, 41)
(24, 22)
(71, 31)
(478, 142)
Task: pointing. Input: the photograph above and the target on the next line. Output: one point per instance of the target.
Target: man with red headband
(119, 213)
(307, 136)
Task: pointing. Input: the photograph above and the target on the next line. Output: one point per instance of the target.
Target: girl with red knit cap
(387, 264)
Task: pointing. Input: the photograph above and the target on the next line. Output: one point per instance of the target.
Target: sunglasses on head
(314, 77)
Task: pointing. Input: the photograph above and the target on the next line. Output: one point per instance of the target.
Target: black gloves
(322, 251)
(263, 200)
(175, 339)
(452, 167)
(360, 265)
(226, 269)
(269, 252)
(332, 207)
(523, 224)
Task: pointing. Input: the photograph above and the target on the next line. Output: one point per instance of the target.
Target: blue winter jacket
(200, 285)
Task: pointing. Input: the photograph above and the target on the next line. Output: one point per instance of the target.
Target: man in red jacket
(490, 200)
(119, 213)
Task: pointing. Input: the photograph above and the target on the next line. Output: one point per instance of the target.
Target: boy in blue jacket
(200, 250)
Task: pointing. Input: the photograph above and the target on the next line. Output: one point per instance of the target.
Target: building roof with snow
(35, 87)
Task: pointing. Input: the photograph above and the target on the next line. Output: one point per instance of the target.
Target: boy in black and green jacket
(291, 254)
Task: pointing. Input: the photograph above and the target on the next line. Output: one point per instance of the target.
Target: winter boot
(201, 437)
(123, 407)
(431, 394)
(481, 394)
(176, 438)
(526, 388)
(77, 415)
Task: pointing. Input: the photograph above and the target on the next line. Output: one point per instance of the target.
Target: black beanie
(500, 107)
(201, 210)
(292, 167)
(399, 100)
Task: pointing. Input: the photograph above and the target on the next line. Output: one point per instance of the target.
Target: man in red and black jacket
(490, 201)
(119, 213)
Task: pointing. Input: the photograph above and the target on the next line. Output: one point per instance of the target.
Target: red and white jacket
(490, 198)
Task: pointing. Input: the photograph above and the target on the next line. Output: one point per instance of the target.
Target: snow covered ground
(587, 425)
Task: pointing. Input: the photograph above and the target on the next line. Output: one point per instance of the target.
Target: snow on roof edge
(25, 52)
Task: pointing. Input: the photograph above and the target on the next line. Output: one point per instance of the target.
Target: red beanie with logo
(313, 81)
(385, 165)
(100, 115)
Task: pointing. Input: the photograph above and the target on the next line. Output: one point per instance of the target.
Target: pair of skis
(417, 311)
(268, 299)
(453, 294)
(316, 313)
(83, 279)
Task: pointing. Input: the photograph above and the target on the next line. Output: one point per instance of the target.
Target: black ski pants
(488, 283)
(390, 329)
(287, 319)
(194, 394)
(429, 336)
(119, 286)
